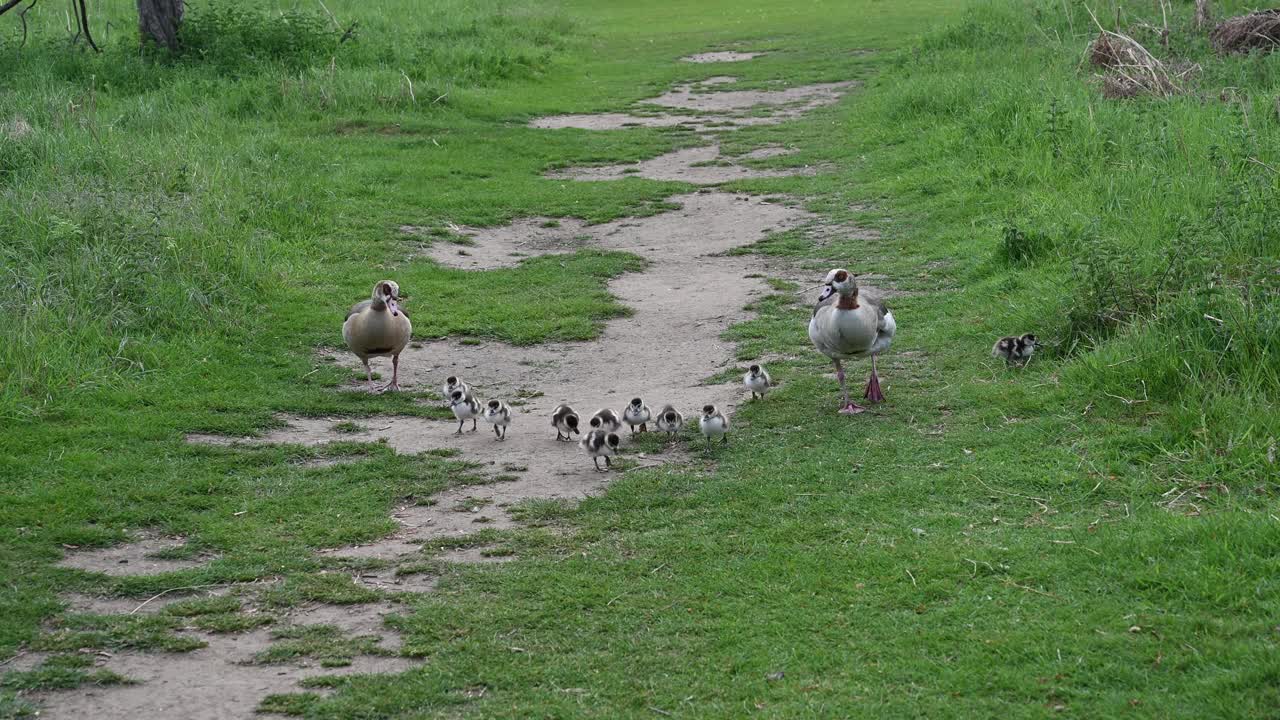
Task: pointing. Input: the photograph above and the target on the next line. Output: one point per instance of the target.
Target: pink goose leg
(873, 385)
(847, 407)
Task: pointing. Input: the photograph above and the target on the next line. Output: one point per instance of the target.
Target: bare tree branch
(23, 17)
(84, 22)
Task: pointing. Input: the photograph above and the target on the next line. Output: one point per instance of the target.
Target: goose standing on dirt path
(498, 413)
(605, 419)
(852, 326)
(636, 413)
(601, 444)
(464, 408)
(565, 421)
(379, 328)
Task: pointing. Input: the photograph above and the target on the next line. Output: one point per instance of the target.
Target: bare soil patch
(717, 109)
(699, 165)
(102, 605)
(721, 56)
(474, 555)
(133, 558)
(217, 682)
(697, 96)
(364, 620)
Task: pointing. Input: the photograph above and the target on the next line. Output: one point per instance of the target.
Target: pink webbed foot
(390, 387)
(873, 392)
(852, 408)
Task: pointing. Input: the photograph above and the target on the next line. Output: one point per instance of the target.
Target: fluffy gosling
(757, 380)
(670, 421)
(601, 444)
(636, 413)
(605, 419)
(565, 421)
(498, 413)
(713, 424)
(1015, 350)
(464, 408)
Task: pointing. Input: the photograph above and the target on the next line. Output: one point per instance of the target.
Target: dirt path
(708, 108)
(689, 294)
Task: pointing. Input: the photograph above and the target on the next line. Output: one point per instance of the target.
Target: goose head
(494, 405)
(1030, 340)
(571, 420)
(839, 281)
(708, 410)
(612, 440)
(636, 403)
(755, 370)
(670, 416)
(387, 293)
(456, 398)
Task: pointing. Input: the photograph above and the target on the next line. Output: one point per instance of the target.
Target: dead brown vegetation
(1255, 31)
(1132, 70)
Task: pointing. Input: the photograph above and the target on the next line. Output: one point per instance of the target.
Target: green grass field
(1097, 535)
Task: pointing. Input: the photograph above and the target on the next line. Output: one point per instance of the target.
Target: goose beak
(827, 292)
(393, 306)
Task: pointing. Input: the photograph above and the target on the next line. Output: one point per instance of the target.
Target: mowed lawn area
(1094, 535)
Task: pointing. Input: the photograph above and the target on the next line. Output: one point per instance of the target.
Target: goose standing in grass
(565, 421)
(464, 408)
(757, 381)
(379, 328)
(636, 413)
(713, 424)
(498, 413)
(851, 326)
(1015, 350)
(670, 421)
(601, 444)
(605, 419)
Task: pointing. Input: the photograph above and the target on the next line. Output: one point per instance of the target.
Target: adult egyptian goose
(847, 325)
(379, 328)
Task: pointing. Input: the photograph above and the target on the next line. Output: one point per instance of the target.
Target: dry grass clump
(1255, 31)
(1132, 69)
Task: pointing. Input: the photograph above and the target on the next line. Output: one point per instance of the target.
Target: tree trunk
(158, 20)
(1203, 14)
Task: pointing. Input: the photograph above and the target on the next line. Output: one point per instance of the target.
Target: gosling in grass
(601, 444)
(499, 414)
(605, 419)
(670, 421)
(636, 413)
(757, 381)
(565, 421)
(1015, 350)
(453, 382)
(464, 408)
(378, 327)
(713, 424)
